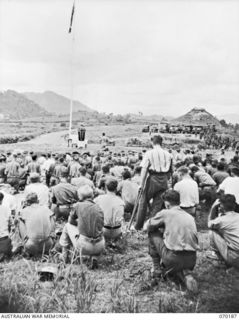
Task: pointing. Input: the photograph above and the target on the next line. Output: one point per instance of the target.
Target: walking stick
(136, 204)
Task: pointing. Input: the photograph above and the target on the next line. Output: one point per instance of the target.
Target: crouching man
(173, 241)
(113, 209)
(5, 226)
(224, 235)
(36, 226)
(84, 229)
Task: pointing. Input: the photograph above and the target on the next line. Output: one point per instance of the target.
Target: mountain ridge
(56, 103)
(14, 105)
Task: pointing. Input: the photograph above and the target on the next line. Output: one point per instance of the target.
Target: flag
(72, 16)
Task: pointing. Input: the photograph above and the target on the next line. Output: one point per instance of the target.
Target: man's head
(34, 157)
(227, 202)
(183, 172)
(111, 184)
(34, 177)
(194, 169)
(83, 171)
(1, 197)
(171, 198)
(31, 198)
(106, 169)
(64, 173)
(157, 140)
(235, 159)
(85, 192)
(235, 172)
(221, 166)
(126, 175)
(137, 170)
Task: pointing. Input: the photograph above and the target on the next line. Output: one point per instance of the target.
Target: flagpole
(71, 68)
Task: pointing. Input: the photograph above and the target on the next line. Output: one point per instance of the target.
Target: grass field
(119, 285)
(121, 282)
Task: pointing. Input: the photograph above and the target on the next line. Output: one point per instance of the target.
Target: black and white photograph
(119, 158)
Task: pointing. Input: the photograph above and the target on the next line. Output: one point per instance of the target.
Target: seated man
(203, 179)
(39, 188)
(128, 190)
(113, 208)
(231, 186)
(224, 235)
(36, 226)
(221, 174)
(5, 226)
(82, 180)
(84, 229)
(188, 191)
(174, 250)
(64, 195)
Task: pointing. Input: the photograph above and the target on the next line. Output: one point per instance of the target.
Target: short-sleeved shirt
(228, 227)
(189, 193)
(74, 169)
(9, 201)
(113, 208)
(37, 220)
(157, 160)
(64, 193)
(33, 167)
(204, 178)
(12, 169)
(180, 232)
(90, 218)
(41, 190)
(82, 181)
(5, 218)
(129, 191)
(220, 176)
(231, 186)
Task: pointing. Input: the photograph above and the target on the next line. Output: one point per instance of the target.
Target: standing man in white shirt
(156, 165)
(231, 186)
(188, 191)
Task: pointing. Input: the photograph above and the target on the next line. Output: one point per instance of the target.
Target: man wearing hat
(39, 188)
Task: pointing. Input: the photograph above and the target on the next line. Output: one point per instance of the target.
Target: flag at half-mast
(72, 17)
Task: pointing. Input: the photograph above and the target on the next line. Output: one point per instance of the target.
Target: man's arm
(73, 217)
(156, 222)
(144, 173)
(144, 165)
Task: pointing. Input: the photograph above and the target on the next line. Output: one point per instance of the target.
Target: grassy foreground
(119, 285)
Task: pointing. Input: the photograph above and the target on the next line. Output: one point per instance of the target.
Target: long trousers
(172, 261)
(155, 186)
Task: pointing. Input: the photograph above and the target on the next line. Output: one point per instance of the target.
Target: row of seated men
(100, 216)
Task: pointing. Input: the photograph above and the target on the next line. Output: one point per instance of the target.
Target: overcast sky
(153, 56)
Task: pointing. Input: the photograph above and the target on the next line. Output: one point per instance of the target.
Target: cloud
(159, 56)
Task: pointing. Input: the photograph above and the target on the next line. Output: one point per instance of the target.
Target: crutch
(137, 203)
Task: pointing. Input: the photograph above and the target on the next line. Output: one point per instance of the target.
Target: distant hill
(14, 105)
(197, 116)
(230, 118)
(55, 103)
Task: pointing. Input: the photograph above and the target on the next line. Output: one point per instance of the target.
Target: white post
(72, 74)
